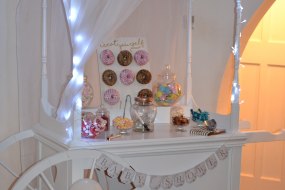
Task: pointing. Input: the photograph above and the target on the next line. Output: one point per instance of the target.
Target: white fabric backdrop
(207, 13)
(89, 22)
(163, 24)
(166, 41)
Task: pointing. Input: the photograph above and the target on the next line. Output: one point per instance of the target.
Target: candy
(122, 123)
(180, 120)
(167, 94)
(91, 125)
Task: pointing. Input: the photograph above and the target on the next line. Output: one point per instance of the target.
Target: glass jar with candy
(103, 114)
(166, 90)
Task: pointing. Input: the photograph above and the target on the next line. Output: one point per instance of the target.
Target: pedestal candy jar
(166, 90)
(143, 114)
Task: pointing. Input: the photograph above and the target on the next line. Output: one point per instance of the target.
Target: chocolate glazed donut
(125, 58)
(109, 77)
(143, 76)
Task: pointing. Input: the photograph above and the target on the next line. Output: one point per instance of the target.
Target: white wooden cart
(63, 158)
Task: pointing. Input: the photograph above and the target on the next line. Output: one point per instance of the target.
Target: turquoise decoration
(199, 116)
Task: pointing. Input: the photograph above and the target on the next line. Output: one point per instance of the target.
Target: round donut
(143, 76)
(145, 93)
(107, 57)
(111, 96)
(109, 77)
(141, 57)
(125, 58)
(127, 76)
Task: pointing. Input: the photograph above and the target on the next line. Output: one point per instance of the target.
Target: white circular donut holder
(131, 44)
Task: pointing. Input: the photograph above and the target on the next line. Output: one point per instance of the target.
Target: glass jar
(104, 114)
(166, 90)
(143, 113)
(175, 111)
(87, 93)
(177, 119)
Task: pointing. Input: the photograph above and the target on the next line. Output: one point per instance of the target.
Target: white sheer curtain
(163, 24)
(89, 21)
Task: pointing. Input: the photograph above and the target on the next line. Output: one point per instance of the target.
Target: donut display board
(124, 68)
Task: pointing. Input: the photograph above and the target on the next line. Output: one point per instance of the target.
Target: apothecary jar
(143, 113)
(166, 90)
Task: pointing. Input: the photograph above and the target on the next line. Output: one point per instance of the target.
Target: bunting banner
(128, 175)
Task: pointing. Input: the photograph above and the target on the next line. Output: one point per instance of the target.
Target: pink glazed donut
(141, 57)
(111, 96)
(127, 77)
(107, 57)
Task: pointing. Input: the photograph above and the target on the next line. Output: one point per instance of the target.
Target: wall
(9, 91)
(212, 41)
(212, 46)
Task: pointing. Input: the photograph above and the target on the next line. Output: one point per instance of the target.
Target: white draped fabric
(89, 22)
(166, 43)
(163, 25)
(93, 21)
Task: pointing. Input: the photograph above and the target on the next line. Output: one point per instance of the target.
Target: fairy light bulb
(73, 14)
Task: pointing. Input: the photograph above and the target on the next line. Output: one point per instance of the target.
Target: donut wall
(124, 69)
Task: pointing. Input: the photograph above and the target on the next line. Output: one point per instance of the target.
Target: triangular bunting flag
(167, 182)
(212, 162)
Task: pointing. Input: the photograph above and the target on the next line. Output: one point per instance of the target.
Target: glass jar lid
(145, 101)
(102, 110)
(166, 74)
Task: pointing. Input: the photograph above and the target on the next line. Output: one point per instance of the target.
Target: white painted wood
(44, 95)
(188, 92)
(163, 135)
(8, 169)
(161, 152)
(35, 170)
(46, 180)
(152, 152)
(156, 156)
(264, 136)
(15, 138)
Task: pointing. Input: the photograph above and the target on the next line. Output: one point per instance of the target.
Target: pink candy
(141, 57)
(111, 96)
(127, 77)
(107, 57)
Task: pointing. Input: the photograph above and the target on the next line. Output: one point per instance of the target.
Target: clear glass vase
(143, 113)
(166, 90)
